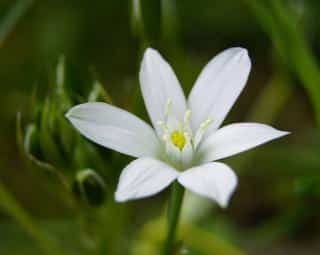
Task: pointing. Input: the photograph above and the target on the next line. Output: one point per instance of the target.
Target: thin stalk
(175, 204)
(9, 204)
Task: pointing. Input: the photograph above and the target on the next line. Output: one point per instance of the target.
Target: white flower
(186, 137)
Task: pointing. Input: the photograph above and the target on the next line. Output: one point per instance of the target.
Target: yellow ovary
(178, 139)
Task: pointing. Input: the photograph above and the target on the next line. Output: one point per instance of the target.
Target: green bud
(48, 135)
(89, 187)
(29, 144)
(66, 136)
(31, 141)
(61, 97)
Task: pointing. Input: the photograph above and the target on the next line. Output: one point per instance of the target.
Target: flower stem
(175, 204)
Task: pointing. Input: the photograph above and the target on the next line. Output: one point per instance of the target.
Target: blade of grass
(9, 204)
(289, 40)
(13, 16)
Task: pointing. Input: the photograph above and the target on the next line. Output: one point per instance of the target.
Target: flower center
(178, 139)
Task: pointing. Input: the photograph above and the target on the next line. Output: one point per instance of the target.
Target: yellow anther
(178, 139)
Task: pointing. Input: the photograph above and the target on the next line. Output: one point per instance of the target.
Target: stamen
(187, 117)
(200, 132)
(204, 125)
(187, 135)
(163, 126)
(168, 107)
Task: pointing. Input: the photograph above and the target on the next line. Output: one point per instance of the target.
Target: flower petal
(114, 128)
(144, 177)
(236, 138)
(218, 87)
(159, 85)
(213, 180)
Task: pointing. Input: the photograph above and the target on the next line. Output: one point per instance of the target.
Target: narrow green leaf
(290, 42)
(13, 16)
(48, 145)
(145, 21)
(9, 204)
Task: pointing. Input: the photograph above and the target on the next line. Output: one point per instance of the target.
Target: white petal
(144, 177)
(236, 138)
(114, 128)
(159, 84)
(218, 87)
(213, 180)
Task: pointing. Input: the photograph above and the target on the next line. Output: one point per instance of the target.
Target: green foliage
(50, 142)
(289, 39)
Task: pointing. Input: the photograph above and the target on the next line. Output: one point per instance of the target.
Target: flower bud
(89, 187)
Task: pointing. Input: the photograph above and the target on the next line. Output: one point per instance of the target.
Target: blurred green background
(54, 54)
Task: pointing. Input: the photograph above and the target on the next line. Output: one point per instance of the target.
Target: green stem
(175, 204)
(9, 204)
